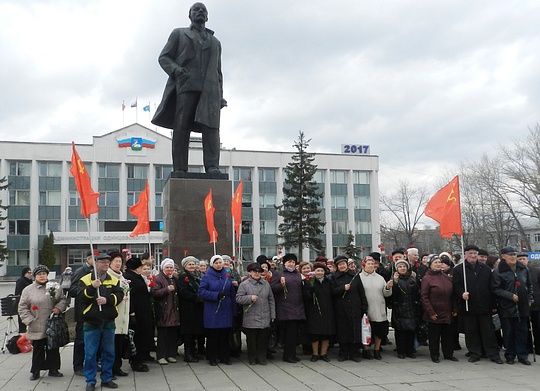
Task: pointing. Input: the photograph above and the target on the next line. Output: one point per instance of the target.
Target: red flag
(140, 211)
(89, 204)
(209, 209)
(445, 208)
(236, 209)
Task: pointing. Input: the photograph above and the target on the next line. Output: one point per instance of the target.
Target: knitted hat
(400, 261)
(431, 258)
(167, 262)
(40, 269)
(213, 259)
(188, 259)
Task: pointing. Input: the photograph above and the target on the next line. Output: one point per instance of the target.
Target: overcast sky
(425, 83)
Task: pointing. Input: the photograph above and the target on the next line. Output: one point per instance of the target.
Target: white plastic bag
(366, 331)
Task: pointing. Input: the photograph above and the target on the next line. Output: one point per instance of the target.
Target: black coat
(535, 277)
(191, 304)
(481, 299)
(140, 304)
(506, 283)
(319, 307)
(406, 303)
(349, 306)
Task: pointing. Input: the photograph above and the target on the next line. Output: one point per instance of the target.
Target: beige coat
(122, 320)
(35, 308)
(375, 288)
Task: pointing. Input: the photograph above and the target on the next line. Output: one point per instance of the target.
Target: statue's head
(198, 13)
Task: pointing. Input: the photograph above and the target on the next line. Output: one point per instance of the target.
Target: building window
(74, 198)
(196, 169)
(340, 227)
(362, 202)
(131, 198)
(19, 227)
(162, 172)
(20, 168)
(50, 169)
(267, 200)
(109, 198)
(361, 177)
(246, 200)
(242, 173)
(247, 227)
(19, 197)
(76, 256)
(319, 176)
(46, 226)
(537, 237)
(109, 170)
(159, 199)
(19, 257)
(362, 227)
(49, 198)
(339, 202)
(338, 176)
(267, 174)
(78, 226)
(135, 171)
(268, 227)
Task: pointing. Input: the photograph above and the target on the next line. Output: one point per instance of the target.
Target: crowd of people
(125, 309)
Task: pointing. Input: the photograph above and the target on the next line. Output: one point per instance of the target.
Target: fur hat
(213, 259)
(133, 263)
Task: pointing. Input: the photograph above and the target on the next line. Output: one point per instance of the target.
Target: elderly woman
(406, 309)
(349, 307)
(439, 308)
(376, 289)
(218, 292)
(167, 313)
(36, 305)
(287, 288)
(191, 308)
(255, 295)
(318, 303)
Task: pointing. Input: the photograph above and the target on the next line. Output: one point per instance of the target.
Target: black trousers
(349, 350)
(119, 345)
(440, 333)
(43, 358)
(217, 344)
(167, 342)
(480, 332)
(535, 323)
(405, 341)
(186, 106)
(78, 347)
(288, 330)
(257, 343)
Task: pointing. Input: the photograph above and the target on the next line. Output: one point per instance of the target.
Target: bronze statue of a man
(193, 94)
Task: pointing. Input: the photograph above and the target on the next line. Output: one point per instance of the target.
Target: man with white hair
(417, 267)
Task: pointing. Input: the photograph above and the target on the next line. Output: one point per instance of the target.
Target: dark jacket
(110, 289)
(319, 306)
(535, 278)
(140, 305)
(166, 308)
(74, 289)
(406, 303)
(216, 315)
(192, 66)
(481, 299)
(506, 283)
(191, 304)
(349, 306)
(21, 283)
(289, 303)
(437, 297)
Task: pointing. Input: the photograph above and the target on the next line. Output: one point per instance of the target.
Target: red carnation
(363, 248)
(417, 264)
(186, 279)
(382, 248)
(34, 308)
(518, 283)
(150, 278)
(363, 264)
(152, 283)
(227, 275)
(169, 275)
(307, 278)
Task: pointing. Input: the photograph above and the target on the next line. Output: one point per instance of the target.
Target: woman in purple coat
(287, 288)
(218, 292)
(439, 308)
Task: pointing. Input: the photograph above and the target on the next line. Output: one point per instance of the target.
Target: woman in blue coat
(218, 292)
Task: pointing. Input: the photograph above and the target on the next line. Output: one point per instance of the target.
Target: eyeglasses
(256, 271)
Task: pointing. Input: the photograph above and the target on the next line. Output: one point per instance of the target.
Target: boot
(367, 354)
(377, 354)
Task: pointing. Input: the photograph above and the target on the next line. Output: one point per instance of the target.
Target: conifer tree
(48, 253)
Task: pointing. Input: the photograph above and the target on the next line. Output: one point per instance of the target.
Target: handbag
(366, 331)
(496, 321)
(57, 331)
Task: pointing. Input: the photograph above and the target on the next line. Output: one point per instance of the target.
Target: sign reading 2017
(354, 149)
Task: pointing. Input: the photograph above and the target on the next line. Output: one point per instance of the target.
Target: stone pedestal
(184, 219)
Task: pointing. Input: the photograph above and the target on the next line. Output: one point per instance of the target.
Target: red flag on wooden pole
(445, 208)
(236, 209)
(209, 210)
(89, 203)
(140, 211)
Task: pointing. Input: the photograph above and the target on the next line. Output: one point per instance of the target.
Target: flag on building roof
(209, 210)
(146, 108)
(89, 199)
(445, 208)
(123, 106)
(140, 211)
(236, 209)
(134, 104)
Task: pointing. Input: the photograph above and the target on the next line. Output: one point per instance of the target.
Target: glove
(221, 296)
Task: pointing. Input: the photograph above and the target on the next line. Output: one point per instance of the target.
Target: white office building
(42, 197)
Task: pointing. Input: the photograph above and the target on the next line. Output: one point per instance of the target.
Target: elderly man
(513, 287)
(193, 95)
(472, 286)
(534, 271)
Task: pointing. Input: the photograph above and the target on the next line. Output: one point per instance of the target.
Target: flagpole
(214, 241)
(464, 275)
(92, 251)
